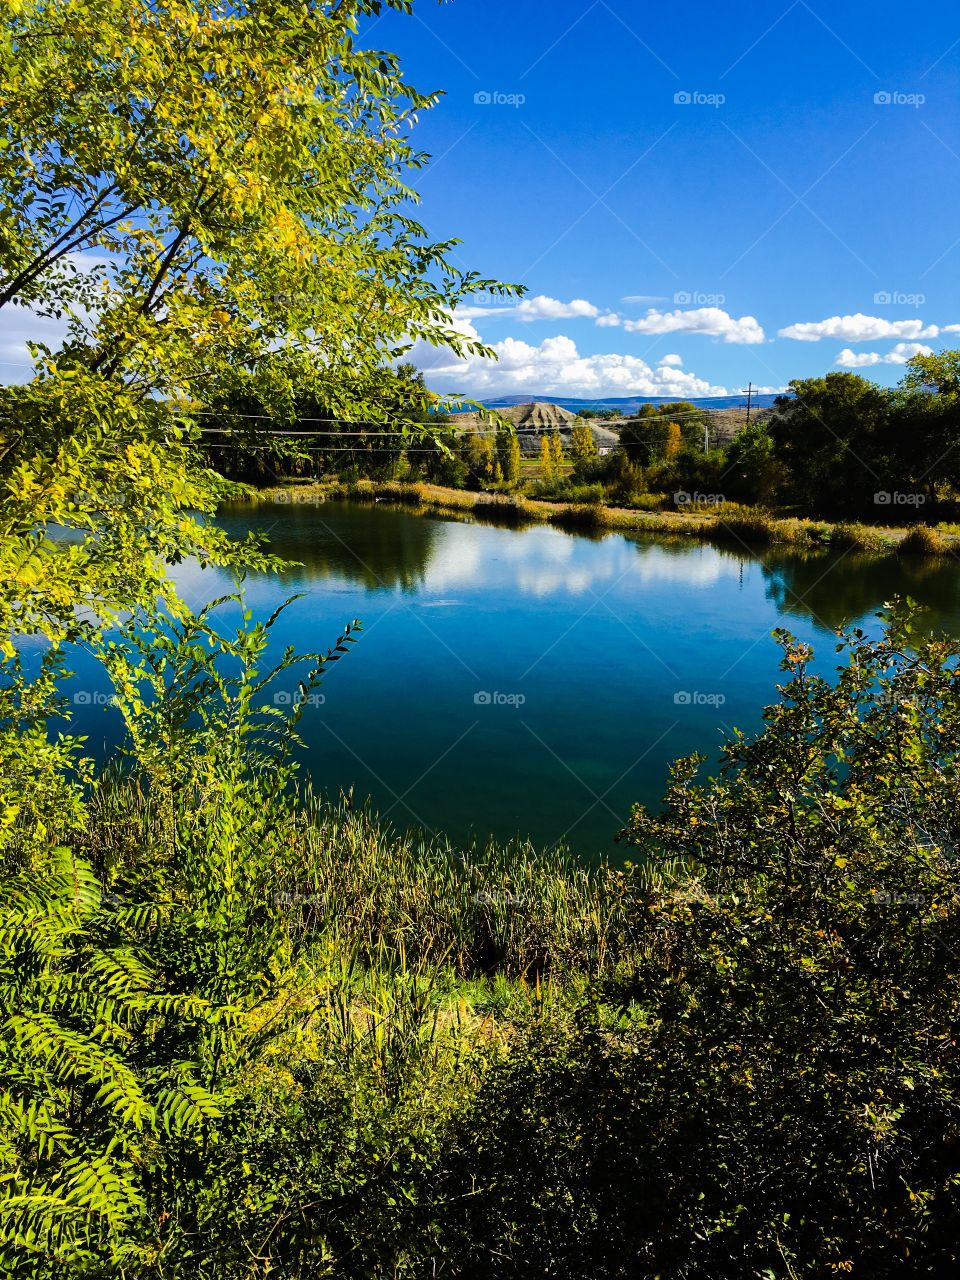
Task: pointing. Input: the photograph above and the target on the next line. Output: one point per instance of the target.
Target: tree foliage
(216, 199)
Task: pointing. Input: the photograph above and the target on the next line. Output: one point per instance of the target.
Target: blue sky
(808, 174)
(696, 195)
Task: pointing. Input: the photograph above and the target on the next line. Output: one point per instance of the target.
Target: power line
(419, 428)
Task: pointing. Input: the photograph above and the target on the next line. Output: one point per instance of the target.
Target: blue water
(533, 681)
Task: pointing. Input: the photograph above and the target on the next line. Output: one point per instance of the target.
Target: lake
(534, 681)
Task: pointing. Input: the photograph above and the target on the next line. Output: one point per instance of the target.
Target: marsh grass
(922, 540)
(858, 537)
(496, 509)
(411, 899)
(581, 516)
(759, 528)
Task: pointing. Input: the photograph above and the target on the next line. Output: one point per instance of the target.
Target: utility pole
(706, 436)
(749, 396)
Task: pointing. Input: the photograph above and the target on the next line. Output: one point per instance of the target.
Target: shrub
(586, 516)
(857, 537)
(922, 540)
(504, 510)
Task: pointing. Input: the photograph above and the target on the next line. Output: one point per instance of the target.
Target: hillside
(533, 419)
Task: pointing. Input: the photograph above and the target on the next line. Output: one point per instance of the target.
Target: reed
(490, 908)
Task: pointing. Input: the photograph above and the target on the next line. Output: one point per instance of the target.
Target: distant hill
(626, 404)
(534, 415)
(533, 418)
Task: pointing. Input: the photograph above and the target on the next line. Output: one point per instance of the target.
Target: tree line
(832, 446)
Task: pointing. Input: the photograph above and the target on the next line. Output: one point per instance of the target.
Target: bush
(568, 491)
(857, 537)
(587, 516)
(923, 541)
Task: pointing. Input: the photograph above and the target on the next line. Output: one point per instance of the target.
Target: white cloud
(900, 354)
(555, 366)
(671, 359)
(712, 321)
(609, 321)
(644, 297)
(544, 308)
(540, 307)
(858, 328)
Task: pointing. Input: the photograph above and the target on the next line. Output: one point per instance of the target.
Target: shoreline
(751, 527)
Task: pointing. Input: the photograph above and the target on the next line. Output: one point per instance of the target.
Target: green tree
(832, 434)
(927, 424)
(508, 453)
(939, 372)
(643, 439)
(216, 200)
(548, 463)
(583, 447)
(658, 432)
(752, 470)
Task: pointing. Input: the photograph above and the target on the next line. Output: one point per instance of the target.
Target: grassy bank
(728, 524)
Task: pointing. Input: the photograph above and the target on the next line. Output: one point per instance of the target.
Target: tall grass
(505, 510)
(381, 894)
(581, 516)
(759, 528)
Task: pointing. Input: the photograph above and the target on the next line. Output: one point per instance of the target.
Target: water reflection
(385, 549)
(836, 589)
